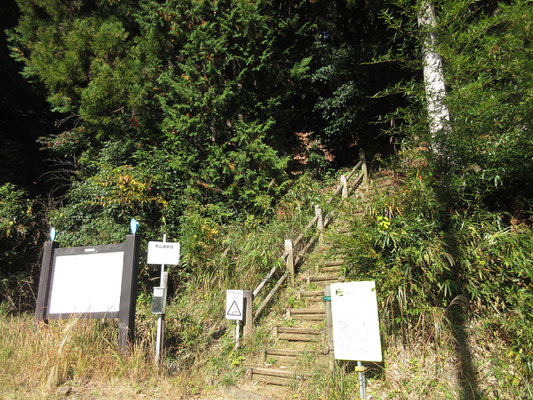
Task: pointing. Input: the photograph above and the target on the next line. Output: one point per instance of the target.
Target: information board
(167, 253)
(354, 313)
(86, 283)
(234, 304)
(91, 282)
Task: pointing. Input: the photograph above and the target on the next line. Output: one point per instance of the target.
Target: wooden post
(363, 166)
(319, 223)
(41, 309)
(329, 326)
(248, 320)
(344, 184)
(320, 218)
(290, 259)
(128, 297)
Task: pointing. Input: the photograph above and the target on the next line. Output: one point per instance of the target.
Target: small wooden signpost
(92, 282)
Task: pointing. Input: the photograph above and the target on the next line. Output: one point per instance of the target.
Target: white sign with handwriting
(354, 311)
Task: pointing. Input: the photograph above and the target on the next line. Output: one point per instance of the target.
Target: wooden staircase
(301, 348)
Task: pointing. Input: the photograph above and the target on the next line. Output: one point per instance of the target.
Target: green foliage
(15, 212)
(486, 50)
(100, 205)
(496, 268)
(190, 115)
(479, 200)
(487, 54)
(422, 255)
(400, 244)
(19, 239)
(172, 105)
(343, 79)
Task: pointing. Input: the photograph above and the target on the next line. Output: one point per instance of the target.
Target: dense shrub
(19, 246)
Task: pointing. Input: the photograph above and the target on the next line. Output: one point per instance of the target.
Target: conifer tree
(190, 94)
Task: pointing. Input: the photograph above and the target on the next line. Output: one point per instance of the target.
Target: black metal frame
(128, 295)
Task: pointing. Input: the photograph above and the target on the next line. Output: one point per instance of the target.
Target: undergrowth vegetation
(215, 257)
(438, 266)
(445, 280)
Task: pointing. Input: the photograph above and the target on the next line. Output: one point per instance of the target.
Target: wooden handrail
(270, 295)
(299, 257)
(309, 226)
(354, 169)
(265, 280)
(339, 189)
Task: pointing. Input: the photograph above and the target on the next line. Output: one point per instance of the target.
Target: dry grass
(79, 359)
(38, 359)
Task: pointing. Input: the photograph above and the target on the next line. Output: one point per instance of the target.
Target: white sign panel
(354, 311)
(234, 304)
(167, 253)
(87, 283)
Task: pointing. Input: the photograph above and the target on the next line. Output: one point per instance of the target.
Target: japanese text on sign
(234, 304)
(167, 253)
(355, 321)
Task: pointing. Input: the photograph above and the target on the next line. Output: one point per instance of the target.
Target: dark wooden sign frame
(128, 295)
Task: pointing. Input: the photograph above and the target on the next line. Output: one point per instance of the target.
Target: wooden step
(282, 360)
(280, 377)
(291, 356)
(283, 352)
(334, 263)
(308, 317)
(273, 376)
(312, 295)
(291, 329)
(300, 311)
(298, 334)
(283, 355)
(332, 269)
(324, 277)
(307, 314)
(325, 283)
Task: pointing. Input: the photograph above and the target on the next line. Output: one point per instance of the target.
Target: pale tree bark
(438, 113)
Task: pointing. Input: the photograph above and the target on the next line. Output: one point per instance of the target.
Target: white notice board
(84, 283)
(354, 310)
(167, 253)
(234, 304)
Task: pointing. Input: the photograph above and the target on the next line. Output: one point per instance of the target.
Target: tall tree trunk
(438, 113)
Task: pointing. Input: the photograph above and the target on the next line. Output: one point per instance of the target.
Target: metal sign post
(362, 379)
(161, 317)
(165, 254)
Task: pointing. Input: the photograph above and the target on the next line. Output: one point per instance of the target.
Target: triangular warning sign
(234, 310)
